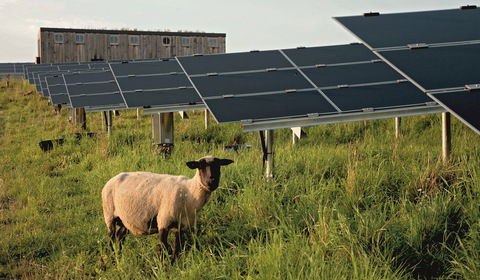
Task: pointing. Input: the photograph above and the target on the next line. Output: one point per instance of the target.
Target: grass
(348, 202)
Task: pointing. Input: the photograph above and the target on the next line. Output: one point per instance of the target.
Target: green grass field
(348, 202)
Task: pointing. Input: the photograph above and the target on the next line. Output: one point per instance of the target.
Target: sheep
(148, 203)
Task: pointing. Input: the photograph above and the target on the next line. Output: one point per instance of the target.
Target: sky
(249, 25)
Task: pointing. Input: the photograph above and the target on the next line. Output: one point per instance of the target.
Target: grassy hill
(348, 202)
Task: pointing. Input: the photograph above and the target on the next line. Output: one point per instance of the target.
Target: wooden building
(60, 45)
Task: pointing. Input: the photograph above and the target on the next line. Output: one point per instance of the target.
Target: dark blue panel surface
(464, 104)
(440, 67)
(153, 82)
(352, 74)
(330, 54)
(218, 63)
(59, 99)
(281, 105)
(250, 83)
(378, 96)
(89, 89)
(113, 100)
(146, 68)
(89, 77)
(186, 96)
(74, 67)
(389, 30)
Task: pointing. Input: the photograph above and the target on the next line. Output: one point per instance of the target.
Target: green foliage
(348, 202)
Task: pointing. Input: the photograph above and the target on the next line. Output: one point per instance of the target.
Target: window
(58, 38)
(213, 42)
(185, 42)
(80, 38)
(134, 40)
(114, 40)
(166, 41)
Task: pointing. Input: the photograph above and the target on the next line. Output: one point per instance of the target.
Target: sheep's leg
(120, 236)
(163, 233)
(179, 243)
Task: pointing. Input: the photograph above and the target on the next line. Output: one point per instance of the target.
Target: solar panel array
(439, 51)
(298, 83)
(94, 90)
(156, 84)
(13, 69)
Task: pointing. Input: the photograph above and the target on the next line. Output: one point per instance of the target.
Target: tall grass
(348, 202)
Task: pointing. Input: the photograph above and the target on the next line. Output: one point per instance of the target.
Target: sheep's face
(209, 169)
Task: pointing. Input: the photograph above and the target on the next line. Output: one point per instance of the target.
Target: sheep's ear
(225, 161)
(193, 164)
(197, 164)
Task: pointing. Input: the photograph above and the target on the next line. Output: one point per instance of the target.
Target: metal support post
(266, 139)
(398, 122)
(108, 121)
(446, 136)
(163, 132)
(207, 118)
(80, 118)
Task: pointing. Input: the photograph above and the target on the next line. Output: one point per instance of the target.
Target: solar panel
(464, 104)
(13, 69)
(260, 107)
(93, 90)
(235, 62)
(245, 83)
(439, 67)
(56, 89)
(437, 50)
(329, 55)
(152, 84)
(377, 96)
(352, 74)
(320, 82)
(401, 29)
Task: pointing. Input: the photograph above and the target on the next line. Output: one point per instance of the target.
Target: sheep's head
(209, 170)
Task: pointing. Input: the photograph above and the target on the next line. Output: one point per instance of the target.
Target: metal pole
(398, 122)
(156, 128)
(109, 122)
(446, 136)
(138, 114)
(269, 159)
(207, 118)
(104, 120)
(166, 128)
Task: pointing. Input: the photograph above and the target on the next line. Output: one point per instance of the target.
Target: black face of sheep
(209, 169)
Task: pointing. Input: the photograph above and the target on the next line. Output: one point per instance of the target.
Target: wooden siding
(97, 46)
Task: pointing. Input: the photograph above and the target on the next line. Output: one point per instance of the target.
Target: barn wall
(97, 46)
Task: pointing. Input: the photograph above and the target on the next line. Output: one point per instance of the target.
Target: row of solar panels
(249, 87)
(13, 69)
(438, 51)
(298, 87)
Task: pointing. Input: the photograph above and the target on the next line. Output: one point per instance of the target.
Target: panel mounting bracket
(371, 14)
(468, 7)
(417, 46)
(472, 87)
